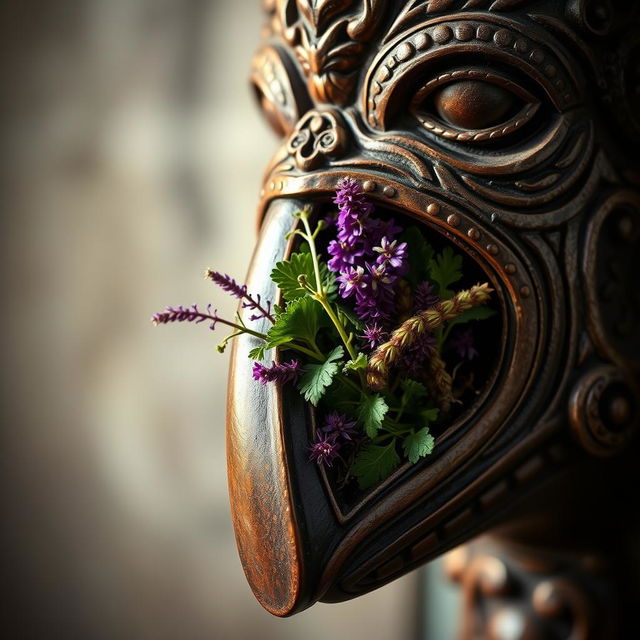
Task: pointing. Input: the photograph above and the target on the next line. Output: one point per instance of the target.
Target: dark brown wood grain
(509, 129)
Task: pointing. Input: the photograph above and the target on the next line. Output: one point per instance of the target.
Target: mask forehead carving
(329, 39)
(497, 125)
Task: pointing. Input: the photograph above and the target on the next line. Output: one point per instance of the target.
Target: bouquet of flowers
(369, 330)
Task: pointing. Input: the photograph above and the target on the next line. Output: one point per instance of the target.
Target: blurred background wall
(131, 161)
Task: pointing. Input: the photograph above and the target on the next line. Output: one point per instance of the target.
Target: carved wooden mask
(506, 127)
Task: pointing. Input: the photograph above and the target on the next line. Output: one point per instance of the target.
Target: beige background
(132, 157)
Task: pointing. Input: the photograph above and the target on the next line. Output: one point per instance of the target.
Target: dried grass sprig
(406, 334)
(440, 383)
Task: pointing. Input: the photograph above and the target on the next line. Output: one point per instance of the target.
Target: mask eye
(473, 105)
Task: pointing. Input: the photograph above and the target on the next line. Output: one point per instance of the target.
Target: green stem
(321, 298)
(304, 216)
(317, 355)
(319, 294)
(351, 384)
(243, 329)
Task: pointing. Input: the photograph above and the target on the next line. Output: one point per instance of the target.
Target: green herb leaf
(353, 365)
(329, 283)
(258, 352)
(346, 317)
(420, 253)
(374, 463)
(372, 413)
(412, 390)
(418, 445)
(342, 397)
(286, 272)
(301, 320)
(429, 415)
(446, 270)
(318, 377)
(476, 313)
(285, 275)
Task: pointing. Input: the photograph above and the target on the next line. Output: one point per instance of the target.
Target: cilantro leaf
(353, 365)
(445, 271)
(318, 377)
(418, 445)
(374, 463)
(420, 253)
(329, 283)
(258, 352)
(285, 275)
(341, 397)
(301, 320)
(429, 415)
(372, 413)
(412, 390)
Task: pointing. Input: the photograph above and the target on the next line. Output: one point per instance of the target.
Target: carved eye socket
(472, 105)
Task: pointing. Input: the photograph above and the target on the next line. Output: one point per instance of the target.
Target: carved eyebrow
(414, 12)
(495, 36)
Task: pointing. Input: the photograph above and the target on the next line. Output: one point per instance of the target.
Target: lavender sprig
(186, 314)
(193, 314)
(277, 373)
(228, 284)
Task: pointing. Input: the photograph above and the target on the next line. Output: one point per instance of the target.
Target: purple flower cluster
(278, 373)
(374, 335)
(337, 430)
(366, 255)
(423, 297)
(412, 361)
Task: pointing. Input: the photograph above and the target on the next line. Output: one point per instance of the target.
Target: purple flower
(338, 427)
(344, 255)
(351, 226)
(187, 314)
(228, 284)
(412, 361)
(278, 373)
(379, 229)
(324, 450)
(366, 255)
(375, 300)
(353, 214)
(375, 335)
(464, 344)
(391, 253)
(350, 280)
(380, 276)
(423, 297)
(350, 199)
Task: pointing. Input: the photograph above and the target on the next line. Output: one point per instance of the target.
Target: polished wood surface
(507, 128)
